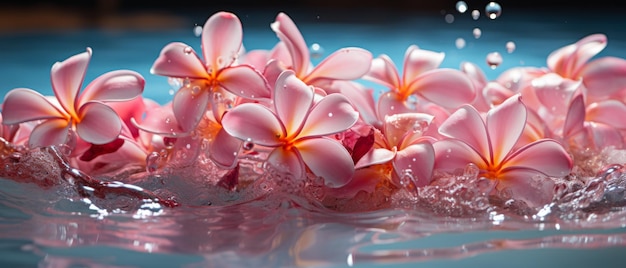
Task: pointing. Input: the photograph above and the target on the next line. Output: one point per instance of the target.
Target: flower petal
(67, 78)
(575, 118)
(604, 135)
(451, 155)
(586, 49)
(383, 71)
(224, 149)
(292, 100)
(419, 158)
(189, 105)
(375, 156)
(344, 64)
(327, 159)
(22, 105)
(255, 122)
(610, 112)
(288, 33)
(161, 121)
(466, 124)
(362, 99)
(48, 133)
(391, 103)
(403, 129)
(99, 124)
(418, 61)
(546, 156)
(604, 77)
(555, 92)
(447, 87)
(529, 186)
(120, 85)
(505, 124)
(244, 81)
(222, 36)
(332, 114)
(179, 60)
(287, 161)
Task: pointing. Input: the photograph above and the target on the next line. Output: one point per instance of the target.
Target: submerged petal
(22, 105)
(179, 60)
(99, 123)
(328, 159)
(332, 114)
(120, 85)
(344, 64)
(255, 122)
(222, 36)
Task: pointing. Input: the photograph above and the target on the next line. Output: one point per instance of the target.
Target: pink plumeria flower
(402, 144)
(297, 128)
(344, 64)
(422, 77)
(85, 113)
(222, 37)
(488, 143)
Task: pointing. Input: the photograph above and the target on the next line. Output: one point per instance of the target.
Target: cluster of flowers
(320, 121)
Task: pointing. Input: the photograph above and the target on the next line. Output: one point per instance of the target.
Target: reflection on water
(127, 224)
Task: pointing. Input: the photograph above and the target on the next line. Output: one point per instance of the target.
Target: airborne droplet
(316, 51)
(475, 14)
(461, 6)
(460, 43)
(493, 10)
(510, 46)
(494, 59)
(477, 33)
(197, 31)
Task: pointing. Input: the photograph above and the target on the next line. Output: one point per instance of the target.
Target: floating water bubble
(461, 6)
(197, 31)
(494, 59)
(477, 33)
(152, 162)
(460, 43)
(475, 14)
(510, 46)
(248, 144)
(187, 50)
(449, 18)
(316, 51)
(493, 10)
(471, 171)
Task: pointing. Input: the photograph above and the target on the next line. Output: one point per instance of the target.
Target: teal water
(55, 227)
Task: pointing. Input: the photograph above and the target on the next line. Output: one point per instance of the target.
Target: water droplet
(449, 18)
(493, 10)
(171, 92)
(195, 90)
(477, 33)
(461, 6)
(248, 145)
(186, 82)
(460, 43)
(471, 171)
(187, 50)
(197, 31)
(316, 51)
(494, 59)
(330, 114)
(510, 46)
(407, 178)
(475, 14)
(152, 162)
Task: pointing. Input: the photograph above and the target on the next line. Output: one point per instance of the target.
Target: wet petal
(447, 87)
(419, 159)
(604, 135)
(292, 101)
(505, 123)
(575, 118)
(244, 81)
(374, 157)
(604, 77)
(222, 35)
(179, 60)
(328, 159)
(332, 114)
(391, 103)
(363, 180)
(344, 64)
(610, 112)
(67, 78)
(117, 85)
(527, 185)
(454, 154)
(383, 71)
(22, 105)
(255, 122)
(272, 71)
(555, 92)
(223, 149)
(99, 124)
(287, 161)
(48, 133)
(290, 35)
(546, 156)
(402, 129)
(467, 125)
(159, 120)
(418, 61)
(189, 105)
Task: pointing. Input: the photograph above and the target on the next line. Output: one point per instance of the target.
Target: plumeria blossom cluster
(521, 131)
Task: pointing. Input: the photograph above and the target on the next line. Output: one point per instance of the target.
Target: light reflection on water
(53, 227)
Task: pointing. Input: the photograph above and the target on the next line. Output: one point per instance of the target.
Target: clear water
(58, 226)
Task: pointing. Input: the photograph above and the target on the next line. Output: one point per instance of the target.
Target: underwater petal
(418, 61)
(99, 123)
(255, 122)
(179, 60)
(22, 105)
(189, 105)
(611, 112)
(120, 85)
(67, 78)
(222, 36)
(447, 87)
(383, 71)
(332, 114)
(287, 161)
(328, 159)
(419, 158)
(546, 156)
(344, 64)
(375, 156)
(48, 133)
(467, 125)
(292, 100)
(290, 35)
(223, 149)
(505, 124)
(604, 77)
(244, 81)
